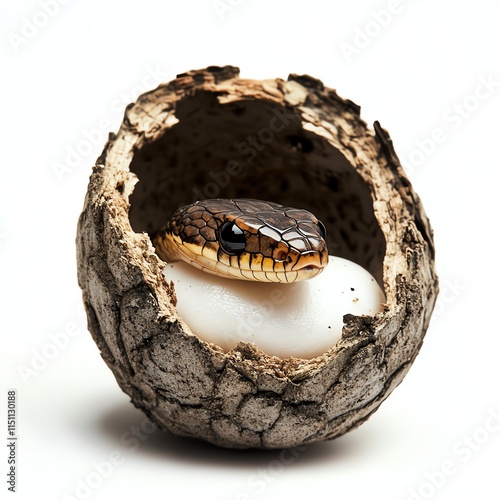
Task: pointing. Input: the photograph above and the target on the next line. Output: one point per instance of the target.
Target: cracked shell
(209, 133)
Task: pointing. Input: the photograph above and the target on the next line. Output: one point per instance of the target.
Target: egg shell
(188, 140)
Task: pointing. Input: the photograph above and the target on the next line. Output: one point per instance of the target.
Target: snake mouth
(302, 271)
(311, 261)
(306, 266)
(309, 267)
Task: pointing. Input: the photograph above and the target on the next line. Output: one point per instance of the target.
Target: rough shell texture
(211, 134)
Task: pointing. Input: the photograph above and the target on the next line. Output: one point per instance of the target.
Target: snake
(245, 239)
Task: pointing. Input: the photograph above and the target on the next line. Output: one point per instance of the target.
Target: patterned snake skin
(270, 242)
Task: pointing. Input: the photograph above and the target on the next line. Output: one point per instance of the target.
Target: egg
(302, 319)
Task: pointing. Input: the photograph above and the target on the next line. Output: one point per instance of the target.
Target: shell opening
(216, 150)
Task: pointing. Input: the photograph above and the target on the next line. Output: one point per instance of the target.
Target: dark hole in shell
(255, 149)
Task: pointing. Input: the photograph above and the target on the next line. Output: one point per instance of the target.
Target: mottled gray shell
(210, 134)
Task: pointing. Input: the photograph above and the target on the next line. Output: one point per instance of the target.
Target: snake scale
(245, 239)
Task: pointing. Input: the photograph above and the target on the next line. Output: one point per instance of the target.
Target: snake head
(247, 239)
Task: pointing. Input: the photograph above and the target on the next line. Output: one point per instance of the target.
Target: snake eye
(322, 230)
(232, 238)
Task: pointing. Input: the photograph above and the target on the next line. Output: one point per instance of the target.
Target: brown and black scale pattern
(271, 230)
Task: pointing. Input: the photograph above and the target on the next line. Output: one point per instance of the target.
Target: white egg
(301, 319)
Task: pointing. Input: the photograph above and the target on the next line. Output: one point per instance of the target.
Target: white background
(66, 78)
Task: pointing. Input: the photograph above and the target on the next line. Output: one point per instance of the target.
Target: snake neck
(167, 248)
